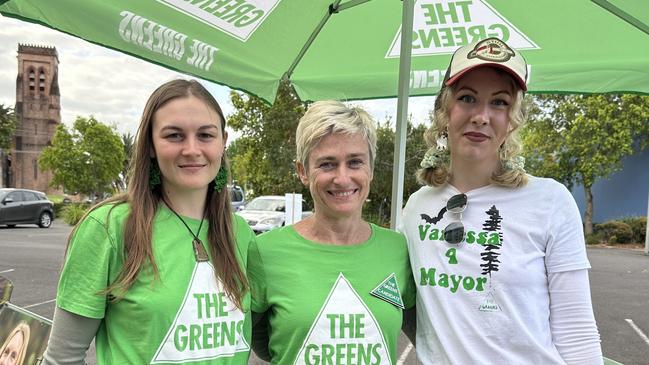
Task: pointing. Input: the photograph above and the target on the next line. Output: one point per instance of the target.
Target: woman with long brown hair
(156, 275)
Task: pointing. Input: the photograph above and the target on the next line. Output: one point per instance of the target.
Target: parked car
(22, 206)
(266, 212)
(237, 197)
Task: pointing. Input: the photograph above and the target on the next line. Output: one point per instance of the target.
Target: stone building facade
(38, 112)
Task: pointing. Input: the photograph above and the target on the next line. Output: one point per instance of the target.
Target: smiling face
(188, 144)
(338, 175)
(479, 116)
(10, 353)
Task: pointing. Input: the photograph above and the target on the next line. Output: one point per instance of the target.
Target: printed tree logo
(490, 256)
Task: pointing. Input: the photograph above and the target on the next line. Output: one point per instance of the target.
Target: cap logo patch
(493, 50)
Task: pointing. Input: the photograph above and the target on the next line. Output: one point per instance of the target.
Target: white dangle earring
(442, 141)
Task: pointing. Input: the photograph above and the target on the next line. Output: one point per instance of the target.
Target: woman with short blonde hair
(332, 287)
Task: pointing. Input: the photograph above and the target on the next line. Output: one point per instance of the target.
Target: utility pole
(3, 183)
(646, 235)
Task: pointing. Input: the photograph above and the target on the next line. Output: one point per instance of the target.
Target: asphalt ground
(619, 284)
(31, 258)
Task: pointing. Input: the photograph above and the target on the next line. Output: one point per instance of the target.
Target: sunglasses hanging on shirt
(454, 232)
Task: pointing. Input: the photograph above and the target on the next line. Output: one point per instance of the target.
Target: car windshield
(3, 192)
(266, 204)
(236, 195)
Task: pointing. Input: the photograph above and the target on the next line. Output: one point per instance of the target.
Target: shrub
(615, 232)
(638, 226)
(58, 208)
(594, 238)
(55, 198)
(72, 213)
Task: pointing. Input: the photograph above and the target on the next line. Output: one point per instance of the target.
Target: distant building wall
(38, 112)
(623, 194)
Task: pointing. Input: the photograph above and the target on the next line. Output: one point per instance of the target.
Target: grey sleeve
(70, 338)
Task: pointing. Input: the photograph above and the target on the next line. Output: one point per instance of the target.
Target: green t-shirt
(318, 297)
(183, 317)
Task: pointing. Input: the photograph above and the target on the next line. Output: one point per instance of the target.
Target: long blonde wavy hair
(23, 329)
(439, 175)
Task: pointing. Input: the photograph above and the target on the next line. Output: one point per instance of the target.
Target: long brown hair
(143, 203)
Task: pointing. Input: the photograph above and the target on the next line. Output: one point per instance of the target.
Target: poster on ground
(23, 335)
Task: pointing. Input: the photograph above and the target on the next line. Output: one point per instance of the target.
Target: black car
(21, 206)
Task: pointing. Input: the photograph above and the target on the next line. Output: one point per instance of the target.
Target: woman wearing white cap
(498, 255)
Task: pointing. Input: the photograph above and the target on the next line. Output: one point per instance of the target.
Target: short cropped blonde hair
(328, 117)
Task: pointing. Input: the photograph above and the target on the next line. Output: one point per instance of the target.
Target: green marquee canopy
(352, 49)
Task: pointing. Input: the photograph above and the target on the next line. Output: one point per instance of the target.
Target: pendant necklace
(199, 251)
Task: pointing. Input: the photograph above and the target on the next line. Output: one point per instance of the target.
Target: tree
(263, 158)
(380, 202)
(88, 159)
(7, 126)
(491, 253)
(122, 182)
(579, 139)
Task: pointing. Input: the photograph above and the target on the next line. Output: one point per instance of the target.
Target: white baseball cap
(487, 52)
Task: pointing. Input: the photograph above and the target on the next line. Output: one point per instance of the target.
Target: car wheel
(45, 220)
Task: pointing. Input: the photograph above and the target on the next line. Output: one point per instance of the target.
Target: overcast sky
(113, 87)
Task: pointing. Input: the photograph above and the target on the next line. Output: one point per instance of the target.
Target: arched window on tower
(32, 80)
(41, 81)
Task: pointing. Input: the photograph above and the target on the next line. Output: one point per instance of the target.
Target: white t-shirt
(486, 300)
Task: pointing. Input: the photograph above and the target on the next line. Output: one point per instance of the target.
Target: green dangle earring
(154, 174)
(221, 179)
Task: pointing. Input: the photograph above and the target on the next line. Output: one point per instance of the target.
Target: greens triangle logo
(239, 19)
(344, 332)
(388, 290)
(441, 26)
(207, 325)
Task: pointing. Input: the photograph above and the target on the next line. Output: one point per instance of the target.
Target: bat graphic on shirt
(433, 220)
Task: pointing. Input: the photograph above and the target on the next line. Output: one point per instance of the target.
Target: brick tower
(38, 111)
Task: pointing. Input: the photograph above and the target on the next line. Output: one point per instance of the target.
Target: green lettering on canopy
(249, 18)
(454, 11)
